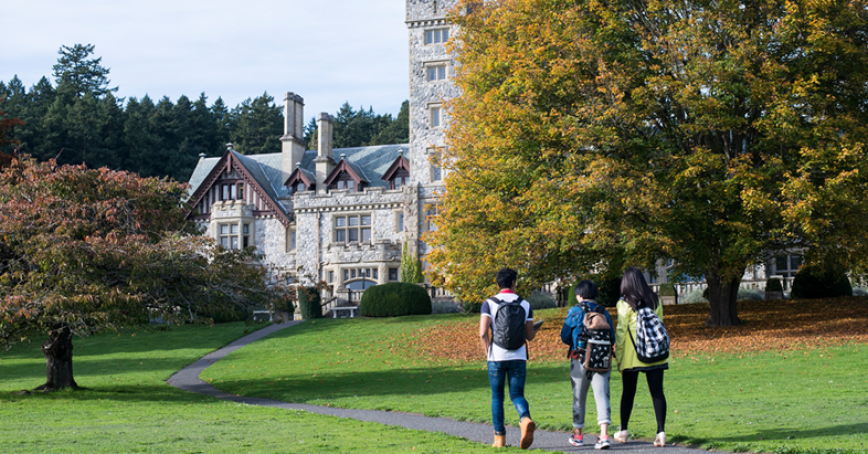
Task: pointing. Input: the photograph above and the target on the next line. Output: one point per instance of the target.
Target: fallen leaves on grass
(765, 325)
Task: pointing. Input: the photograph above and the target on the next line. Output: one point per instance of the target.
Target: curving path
(188, 380)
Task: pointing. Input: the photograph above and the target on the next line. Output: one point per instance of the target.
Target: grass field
(128, 407)
(783, 388)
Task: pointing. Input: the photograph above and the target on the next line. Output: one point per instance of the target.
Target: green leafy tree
(710, 133)
(411, 268)
(85, 251)
(80, 74)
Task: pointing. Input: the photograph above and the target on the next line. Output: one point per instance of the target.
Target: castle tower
(431, 72)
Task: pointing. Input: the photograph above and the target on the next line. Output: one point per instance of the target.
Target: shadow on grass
(121, 393)
(415, 381)
(767, 435)
(88, 367)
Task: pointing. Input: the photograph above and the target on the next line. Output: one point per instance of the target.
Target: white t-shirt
(489, 309)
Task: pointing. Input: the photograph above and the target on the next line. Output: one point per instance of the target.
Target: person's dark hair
(506, 277)
(587, 290)
(636, 291)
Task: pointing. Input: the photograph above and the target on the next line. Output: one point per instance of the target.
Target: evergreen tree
(222, 122)
(81, 74)
(397, 131)
(108, 149)
(32, 135)
(257, 126)
(311, 134)
(138, 139)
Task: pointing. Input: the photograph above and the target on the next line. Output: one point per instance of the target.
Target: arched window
(360, 284)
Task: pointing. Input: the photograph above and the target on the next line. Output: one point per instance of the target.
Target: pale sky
(327, 52)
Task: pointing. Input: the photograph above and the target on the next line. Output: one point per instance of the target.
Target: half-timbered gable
(235, 178)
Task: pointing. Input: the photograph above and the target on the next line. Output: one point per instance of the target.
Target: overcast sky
(326, 51)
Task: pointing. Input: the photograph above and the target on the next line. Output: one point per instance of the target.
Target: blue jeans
(498, 373)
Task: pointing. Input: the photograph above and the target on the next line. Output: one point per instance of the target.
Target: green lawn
(796, 401)
(128, 407)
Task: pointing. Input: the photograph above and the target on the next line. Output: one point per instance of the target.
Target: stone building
(338, 215)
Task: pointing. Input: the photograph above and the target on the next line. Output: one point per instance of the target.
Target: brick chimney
(293, 145)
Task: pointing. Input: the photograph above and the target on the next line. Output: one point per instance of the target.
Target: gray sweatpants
(580, 382)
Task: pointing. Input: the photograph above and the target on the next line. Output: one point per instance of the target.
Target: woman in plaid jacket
(636, 294)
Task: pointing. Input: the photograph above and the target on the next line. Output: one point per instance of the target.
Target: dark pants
(499, 372)
(655, 385)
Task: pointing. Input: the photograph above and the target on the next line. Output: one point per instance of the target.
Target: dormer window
(297, 187)
(401, 178)
(344, 181)
(300, 181)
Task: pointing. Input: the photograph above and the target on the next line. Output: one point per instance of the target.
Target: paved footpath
(188, 380)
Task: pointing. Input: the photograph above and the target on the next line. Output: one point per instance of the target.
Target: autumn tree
(710, 133)
(6, 125)
(84, 251)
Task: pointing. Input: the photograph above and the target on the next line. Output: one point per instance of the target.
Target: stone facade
(349, 238)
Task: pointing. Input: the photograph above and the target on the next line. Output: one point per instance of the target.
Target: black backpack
(509, 324)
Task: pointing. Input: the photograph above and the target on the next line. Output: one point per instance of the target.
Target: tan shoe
(499, 441)
(660, 440)
(622, 436)
(527, 429)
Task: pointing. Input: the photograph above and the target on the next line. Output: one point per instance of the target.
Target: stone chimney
(324, 162)
(293, 145)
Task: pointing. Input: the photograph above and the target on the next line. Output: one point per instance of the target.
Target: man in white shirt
(505, 364)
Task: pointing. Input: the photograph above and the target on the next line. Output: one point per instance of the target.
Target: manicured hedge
(811, 282)
(774, 285)
(667, 290)
(394, 300)
(309, 303)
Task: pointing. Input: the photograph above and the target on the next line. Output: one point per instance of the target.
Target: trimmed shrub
(444, 307)
(470, 307)
(667, 290)
(609, 289)
(309, 303)
(811, 282)
(394, 300)
(774, 285)
(750, 294)
(701, 296)
(542, 301)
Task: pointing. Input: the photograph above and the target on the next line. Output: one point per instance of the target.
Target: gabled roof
(400, 163)
(370, 162)
(355, 172)
(252, 173)
(306, 176)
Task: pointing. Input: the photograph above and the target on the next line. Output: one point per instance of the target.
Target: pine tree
(81, 74)
(397, 131)
(139, 140)
(257, 126)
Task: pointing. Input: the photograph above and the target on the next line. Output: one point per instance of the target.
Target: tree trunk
(58, 357)
(723, 295)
